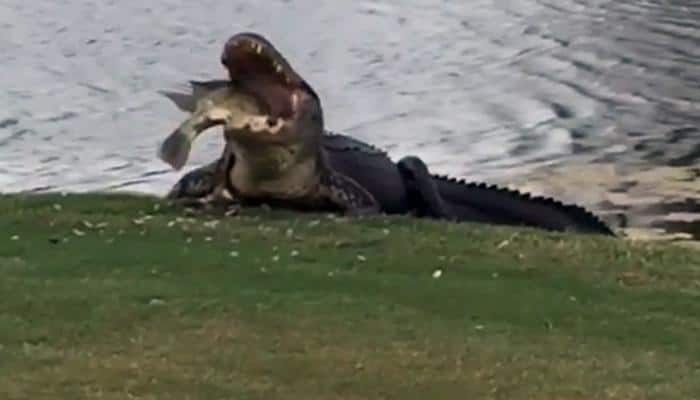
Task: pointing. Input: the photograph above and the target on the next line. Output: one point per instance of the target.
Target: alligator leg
(196, 184)
(204, 187)
(347, 194)
(425, 193)
(418, 179)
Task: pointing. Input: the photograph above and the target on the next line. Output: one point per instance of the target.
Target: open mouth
(254, 65)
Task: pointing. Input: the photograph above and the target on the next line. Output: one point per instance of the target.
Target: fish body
(225, 105)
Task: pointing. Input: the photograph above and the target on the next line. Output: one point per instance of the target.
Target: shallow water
(486, 89)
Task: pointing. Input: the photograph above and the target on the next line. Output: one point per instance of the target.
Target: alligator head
(265, 102)
(293, 109)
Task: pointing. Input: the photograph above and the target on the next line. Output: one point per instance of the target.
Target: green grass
(116, 297)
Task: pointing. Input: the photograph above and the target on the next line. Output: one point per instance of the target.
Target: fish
(222, 104)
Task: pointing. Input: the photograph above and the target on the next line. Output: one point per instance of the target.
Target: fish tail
(175, 149)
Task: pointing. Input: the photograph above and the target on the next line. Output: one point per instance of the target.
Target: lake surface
(485, 89)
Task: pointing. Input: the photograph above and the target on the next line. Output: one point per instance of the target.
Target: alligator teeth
(295, 100)
(239, 44)
(258, 48)
(277, 127)
(257, 124)
(278, 68)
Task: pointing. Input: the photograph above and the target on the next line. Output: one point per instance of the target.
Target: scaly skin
(468, 201)
(349, 166)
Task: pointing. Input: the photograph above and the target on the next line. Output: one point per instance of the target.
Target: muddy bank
(640, 202)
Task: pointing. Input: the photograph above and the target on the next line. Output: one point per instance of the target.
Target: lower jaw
(255, 139)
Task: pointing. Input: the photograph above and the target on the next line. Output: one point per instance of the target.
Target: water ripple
(487, 91)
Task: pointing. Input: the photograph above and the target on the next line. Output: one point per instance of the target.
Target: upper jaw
(255, 65)
(254, 44)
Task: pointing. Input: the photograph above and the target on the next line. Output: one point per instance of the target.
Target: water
(486, 89)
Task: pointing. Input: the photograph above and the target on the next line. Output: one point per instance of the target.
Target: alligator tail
(497, 205)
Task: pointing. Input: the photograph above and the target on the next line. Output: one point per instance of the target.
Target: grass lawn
(120, 297)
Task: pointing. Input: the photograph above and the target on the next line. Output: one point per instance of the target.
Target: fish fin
(197, 89)
(183, 101)
(201, 88)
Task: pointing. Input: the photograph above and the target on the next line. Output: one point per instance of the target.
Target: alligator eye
(271, 122)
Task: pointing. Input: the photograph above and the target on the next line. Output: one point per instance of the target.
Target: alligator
(304, 166)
